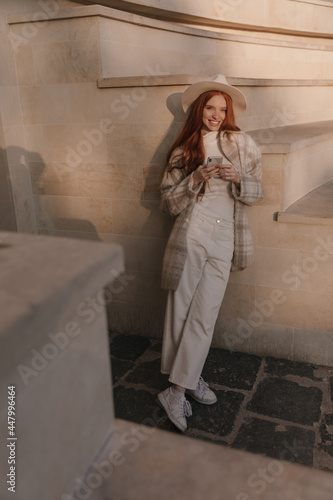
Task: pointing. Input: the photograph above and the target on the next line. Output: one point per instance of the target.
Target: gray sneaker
(177, 408)
(202, 393)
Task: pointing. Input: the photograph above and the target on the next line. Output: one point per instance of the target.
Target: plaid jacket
(178, 199)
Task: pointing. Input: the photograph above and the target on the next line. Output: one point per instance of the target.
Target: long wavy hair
(190, 140)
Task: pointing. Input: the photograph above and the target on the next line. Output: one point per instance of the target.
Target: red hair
(190, 139)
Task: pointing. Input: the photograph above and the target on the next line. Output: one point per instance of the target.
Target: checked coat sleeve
(245, 155)
(177, 199)
(177, 192)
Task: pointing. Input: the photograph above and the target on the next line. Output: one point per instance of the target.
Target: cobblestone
(275, 407)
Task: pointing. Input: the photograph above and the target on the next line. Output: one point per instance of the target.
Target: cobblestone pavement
(271, 406)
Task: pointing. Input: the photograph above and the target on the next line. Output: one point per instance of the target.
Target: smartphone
(220, 160)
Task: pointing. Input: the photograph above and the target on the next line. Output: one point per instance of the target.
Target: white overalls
(192, 309)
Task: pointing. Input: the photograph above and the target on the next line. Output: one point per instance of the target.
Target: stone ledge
(324, 3)
(58, 14)
(58, 263)
(186, 79)
(147, 81)
(290, 138)
(40, 275)
(304, 219)
(152, 464)
(314, 208)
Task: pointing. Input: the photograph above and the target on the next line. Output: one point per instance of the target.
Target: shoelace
(187, 408)
(202, 386)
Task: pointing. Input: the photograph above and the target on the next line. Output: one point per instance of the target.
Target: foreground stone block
(55, 355)
(142, 462)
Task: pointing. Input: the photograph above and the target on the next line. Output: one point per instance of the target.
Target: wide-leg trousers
(192, 309)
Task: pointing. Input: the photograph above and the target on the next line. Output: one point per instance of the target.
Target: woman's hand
(202, 173)
(230, 173)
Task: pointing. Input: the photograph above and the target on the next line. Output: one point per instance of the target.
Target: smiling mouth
(213, 122)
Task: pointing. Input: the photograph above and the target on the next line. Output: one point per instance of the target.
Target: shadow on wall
(142, 304)
(39, 194)
(156, 168)
(7, 210)
(174, 105)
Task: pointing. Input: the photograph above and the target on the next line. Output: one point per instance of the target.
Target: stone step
(54, 353)
(306, 151)
(141, 462)
(316, 207)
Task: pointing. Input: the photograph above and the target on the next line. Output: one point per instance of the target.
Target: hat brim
(196, 89)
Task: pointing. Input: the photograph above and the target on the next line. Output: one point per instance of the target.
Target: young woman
(210, 236)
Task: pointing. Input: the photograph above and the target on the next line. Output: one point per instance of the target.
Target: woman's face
(214, 114)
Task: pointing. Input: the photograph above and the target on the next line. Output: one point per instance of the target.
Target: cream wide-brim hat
(217, 82)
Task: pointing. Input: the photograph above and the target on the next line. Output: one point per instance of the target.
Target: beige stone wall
(93, 156)
(281, 304)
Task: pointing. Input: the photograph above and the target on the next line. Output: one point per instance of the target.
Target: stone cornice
(277, 17)
(114, 14)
